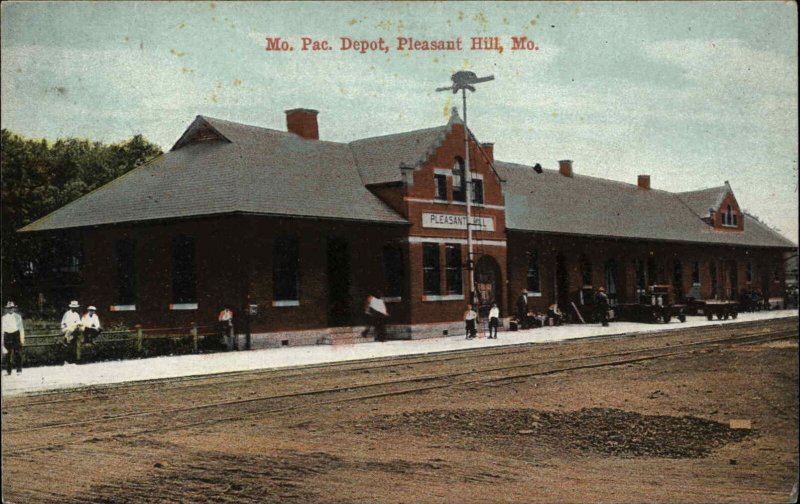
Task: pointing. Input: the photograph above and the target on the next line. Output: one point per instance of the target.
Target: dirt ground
(650, 431)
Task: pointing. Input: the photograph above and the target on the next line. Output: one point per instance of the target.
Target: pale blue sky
(691, 93)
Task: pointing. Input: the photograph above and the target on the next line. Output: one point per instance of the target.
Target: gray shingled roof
(263, 171)
(259, 171)
(379, 158)
(704, 199)
(581, 205)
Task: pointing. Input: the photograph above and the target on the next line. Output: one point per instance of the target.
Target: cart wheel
(682, 317)
(710, 316)
(667, 317)
(725, 315)
(734, 314)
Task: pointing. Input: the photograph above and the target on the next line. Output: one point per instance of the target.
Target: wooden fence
(44, 337)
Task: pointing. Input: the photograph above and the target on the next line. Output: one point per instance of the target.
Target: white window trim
(285, 303)
(443, 171)
(122, 307)
(461, 241)
(459, 203)
(440, 297)
(534, 294)
(396, 299)
(182, 306)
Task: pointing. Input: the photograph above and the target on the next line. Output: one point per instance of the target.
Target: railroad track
(403, 386)
(240, 377)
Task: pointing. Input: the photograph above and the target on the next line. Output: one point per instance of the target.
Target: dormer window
(729, 218)
(459, 181)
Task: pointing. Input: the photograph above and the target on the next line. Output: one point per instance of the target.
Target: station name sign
(453, 221)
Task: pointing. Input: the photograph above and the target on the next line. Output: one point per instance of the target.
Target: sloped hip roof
(581, 205)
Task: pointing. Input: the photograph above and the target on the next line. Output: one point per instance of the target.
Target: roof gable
(201, 130)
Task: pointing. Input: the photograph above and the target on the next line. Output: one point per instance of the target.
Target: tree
(39, 177)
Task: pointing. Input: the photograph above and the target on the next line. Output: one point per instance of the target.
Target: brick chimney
(565, 167)
(303, 123)
(488, 149)
(644, 181)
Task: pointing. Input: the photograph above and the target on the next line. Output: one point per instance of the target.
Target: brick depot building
(293, 233)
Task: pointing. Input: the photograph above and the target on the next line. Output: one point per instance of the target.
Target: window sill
(441, 201)
(464, 203)
(534, 294)
(285, 303)
(439, 297)
(183, 306)
(122, 307)
(396, 299)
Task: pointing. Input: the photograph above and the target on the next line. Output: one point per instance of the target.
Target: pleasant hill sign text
(454, 221)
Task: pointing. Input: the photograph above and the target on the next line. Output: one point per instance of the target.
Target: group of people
(74, 326)
(526, 319)
(471, 320)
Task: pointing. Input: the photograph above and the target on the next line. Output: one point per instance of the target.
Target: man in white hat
(13, 336)
(91, 325)
(71, 325)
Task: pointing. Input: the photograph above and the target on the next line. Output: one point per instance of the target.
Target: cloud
(728, 64)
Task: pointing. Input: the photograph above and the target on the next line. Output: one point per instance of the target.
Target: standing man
(377, 313)
(71, 327)
(601, 304)
(470, 319)
(522, 308)
(91, 325)
(225, 320)
(13, 336)
(494, 320)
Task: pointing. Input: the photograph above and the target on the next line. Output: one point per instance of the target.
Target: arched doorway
(487, 284)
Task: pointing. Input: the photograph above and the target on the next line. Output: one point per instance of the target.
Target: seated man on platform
(91, 325)
(72, 328)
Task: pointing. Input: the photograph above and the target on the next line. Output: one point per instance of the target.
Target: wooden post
(194, 337)
(78, 345)
(139, 337)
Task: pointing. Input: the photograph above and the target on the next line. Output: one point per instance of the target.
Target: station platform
(47, 378)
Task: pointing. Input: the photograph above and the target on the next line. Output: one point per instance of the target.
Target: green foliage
(39, 177)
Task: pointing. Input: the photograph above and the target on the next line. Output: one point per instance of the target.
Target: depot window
(285, 259)
(125, 251)
(638, 265)
(184, 270)
(459, 181)
(695, 273)
(455, 281)
(430, 268)
(749, 272)
(441, 187)
(477, 191)
(586, 271)
(533, 271)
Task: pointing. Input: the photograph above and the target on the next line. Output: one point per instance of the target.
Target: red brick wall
(234, 266)
(624, 253)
